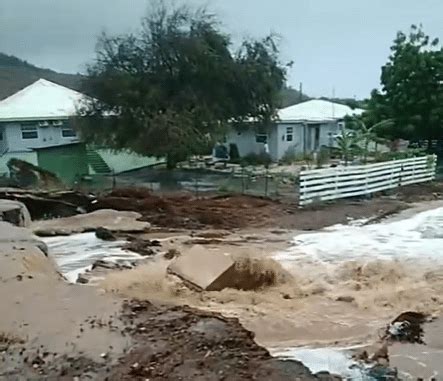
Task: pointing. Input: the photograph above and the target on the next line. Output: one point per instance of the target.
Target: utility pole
(301, 92)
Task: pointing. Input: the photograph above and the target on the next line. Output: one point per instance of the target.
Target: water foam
(76, 253)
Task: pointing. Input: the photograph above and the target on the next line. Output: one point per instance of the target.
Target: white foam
(333, 360)
(419, 238)
(76, 253)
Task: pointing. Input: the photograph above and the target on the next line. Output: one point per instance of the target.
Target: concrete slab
(113, 220)
(16, 236)
(214, 271)
(201, 268)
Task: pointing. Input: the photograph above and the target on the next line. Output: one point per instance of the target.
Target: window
(29, 131)
(1, 135)
(68, 132)
(289, 134)
(261, 138)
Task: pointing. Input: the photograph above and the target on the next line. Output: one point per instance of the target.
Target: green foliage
(177, 83)
(367, 134)
(348, 144)
(410, 153)
(291, 156)
(412, 89)
(255, 159)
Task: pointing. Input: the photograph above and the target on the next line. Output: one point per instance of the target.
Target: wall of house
(47, 136)
(3, 141)
(303, 139)
(68, 162)
(246, 142)
(285, 145)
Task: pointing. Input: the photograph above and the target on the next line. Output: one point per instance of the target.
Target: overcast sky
(335, 44)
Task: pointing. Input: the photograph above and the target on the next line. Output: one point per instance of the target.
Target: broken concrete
(201, 268)
(17, 237)
(28, 175)
(214, 271)
(44, 204)
(111, 220)
(14, 212)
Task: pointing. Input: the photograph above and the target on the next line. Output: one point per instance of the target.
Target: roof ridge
(43, 81)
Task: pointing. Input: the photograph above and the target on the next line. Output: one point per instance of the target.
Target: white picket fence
(333, 183)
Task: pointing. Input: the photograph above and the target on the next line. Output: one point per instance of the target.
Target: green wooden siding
(68, 162)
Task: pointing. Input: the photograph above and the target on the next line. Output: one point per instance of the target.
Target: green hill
(15, 74)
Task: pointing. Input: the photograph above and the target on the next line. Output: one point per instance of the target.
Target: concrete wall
(297, 143)
(47, 136)
(246, 142)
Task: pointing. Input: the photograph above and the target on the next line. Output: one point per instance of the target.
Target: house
(35, 127)
(302, 128)
(37, 117)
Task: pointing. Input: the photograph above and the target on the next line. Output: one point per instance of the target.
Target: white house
(37, 117)
(302, 128)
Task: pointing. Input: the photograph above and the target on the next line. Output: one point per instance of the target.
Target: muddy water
(396, 264)
(386, 268)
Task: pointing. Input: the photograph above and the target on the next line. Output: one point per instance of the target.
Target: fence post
(266, 182)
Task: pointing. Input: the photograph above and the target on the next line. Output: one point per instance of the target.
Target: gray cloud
(337, 44)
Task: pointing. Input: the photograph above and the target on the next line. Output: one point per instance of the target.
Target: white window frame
(29, 129)
(289, 134)
(65, 128)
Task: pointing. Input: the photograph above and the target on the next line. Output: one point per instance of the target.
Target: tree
(368, 133)
(347, 144)
(171, 89)
(412, 89)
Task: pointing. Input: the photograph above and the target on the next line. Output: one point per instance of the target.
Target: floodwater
(76, 253)
(403, 252)
(397, 262)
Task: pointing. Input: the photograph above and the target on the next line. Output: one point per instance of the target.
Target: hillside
(15, 74)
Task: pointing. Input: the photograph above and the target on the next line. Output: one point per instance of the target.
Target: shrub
(256, 159)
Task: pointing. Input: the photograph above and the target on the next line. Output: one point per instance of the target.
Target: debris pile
(184, 211)
(28, 175)
(407, 327)
(187, 344)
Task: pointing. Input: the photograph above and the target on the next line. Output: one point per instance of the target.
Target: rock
(15, 213)
(140, 246)
(345, 299)
(104, 234)
(105, 265)
(81, 279)
(171, 254)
